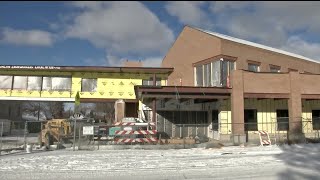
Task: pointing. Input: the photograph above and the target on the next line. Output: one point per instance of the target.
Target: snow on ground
(270, 162)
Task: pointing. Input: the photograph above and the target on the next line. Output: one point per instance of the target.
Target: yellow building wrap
(109, 85)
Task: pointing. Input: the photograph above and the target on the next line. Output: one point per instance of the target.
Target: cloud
(27, 37)
(282, 25)
(188, 12)
(122, 28)
(302, 47)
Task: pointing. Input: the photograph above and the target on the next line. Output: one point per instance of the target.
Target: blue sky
(107, 33)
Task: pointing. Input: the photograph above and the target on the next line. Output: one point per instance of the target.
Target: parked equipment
(55, 130)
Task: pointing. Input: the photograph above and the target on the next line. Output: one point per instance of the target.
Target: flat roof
(249, 43)
(89, 68)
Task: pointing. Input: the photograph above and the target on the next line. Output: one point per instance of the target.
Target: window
(316, 119)
(149, 82)
(199, 75)
(34, 83)
(275, 68)
(88, 85)
(215, 120)
(6, 82)
(215, 73)
(253, 67)
(283, 120)
(56, 83)
(207, 75)
(295, 70)
(20, 82)
(250, 120)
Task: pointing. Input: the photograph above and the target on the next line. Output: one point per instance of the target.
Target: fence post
(1, 137)
(74, 133)
(80, 127)
(184, 140)
(25, 134)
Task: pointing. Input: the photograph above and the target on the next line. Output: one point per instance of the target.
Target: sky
(108, 33)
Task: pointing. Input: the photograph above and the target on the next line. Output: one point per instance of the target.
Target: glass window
(89, 85)
(199, 75)
(316, 119)
(149, 82)
(283, 120)
(34, 83)
(61, 83)
(6, 82)
(250, 120)
(253, 67)
(207, 75)
(274, 69)
(20, 82)
(56, 83)
(216, 73)
(46, 84)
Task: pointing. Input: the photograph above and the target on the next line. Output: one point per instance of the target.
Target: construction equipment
(55, 130)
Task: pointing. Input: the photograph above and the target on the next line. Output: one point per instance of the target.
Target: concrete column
(154, 102)
(237, 103)
(295, 107)
(119, 108)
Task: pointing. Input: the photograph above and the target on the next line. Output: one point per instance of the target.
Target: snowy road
(285, 162)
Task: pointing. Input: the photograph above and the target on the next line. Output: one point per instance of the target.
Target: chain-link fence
(15, 135)
(303, 130)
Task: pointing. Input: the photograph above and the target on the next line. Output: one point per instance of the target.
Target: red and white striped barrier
(140, 140)
(134, 124)
(143, 132)
(264, 134)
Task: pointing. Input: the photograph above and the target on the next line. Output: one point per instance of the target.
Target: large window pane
(20, 82)
(46, 84)
(34, 83)
(6, 82)
(61, 83)
(56, 83)
(89, 85)
(224, 72)
(199, 75)
(216, 73)
(253, 67)
(250, 120)
(207, 75)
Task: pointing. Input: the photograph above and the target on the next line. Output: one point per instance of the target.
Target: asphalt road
(232, 163)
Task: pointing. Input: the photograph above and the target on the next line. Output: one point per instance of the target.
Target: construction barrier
(135, 129)
(264, 138)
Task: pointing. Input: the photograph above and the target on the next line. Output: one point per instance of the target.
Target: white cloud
(27, 37)
(272, 23)
(300, 46)
(121, 28)
(188, 12)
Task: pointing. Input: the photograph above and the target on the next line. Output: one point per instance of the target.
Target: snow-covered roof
(241, 41)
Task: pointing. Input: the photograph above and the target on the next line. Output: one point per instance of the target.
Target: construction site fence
(307, 129)
(15, 135)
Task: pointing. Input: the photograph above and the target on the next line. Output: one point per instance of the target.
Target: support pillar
(295, 109)
(154, 102)
(237, 107)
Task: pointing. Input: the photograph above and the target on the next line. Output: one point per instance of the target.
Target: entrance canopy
(182, 92)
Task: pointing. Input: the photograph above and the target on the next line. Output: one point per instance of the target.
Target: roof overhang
(182, 92)
(158, 70)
